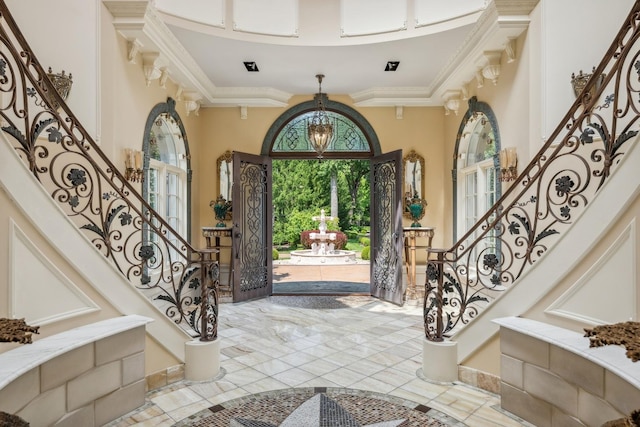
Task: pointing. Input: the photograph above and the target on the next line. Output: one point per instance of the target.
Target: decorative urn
(416, 209)
(221, 207)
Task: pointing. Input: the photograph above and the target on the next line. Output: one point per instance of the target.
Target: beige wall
(581, 278)
(518, 103)
(222, 129)
(487, 358)
(420, 129)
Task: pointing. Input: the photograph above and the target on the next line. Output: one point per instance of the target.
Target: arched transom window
(353, 137)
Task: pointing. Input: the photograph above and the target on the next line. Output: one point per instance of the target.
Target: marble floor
(353, 342)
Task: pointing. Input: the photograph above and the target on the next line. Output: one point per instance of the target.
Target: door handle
(237, 239)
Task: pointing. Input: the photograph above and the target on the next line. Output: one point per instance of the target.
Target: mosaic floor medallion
(319, 407)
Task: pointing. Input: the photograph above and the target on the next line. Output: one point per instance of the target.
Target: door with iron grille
(252, 240)
(386, 227)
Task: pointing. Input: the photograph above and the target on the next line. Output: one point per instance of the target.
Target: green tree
(302, 187)
(355, 176)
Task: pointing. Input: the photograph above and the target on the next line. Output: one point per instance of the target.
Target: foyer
(280, 352)
(289, 343)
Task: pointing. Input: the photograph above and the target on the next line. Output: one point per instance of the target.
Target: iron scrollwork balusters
(68, 163)
(210, 282)
(544, 201)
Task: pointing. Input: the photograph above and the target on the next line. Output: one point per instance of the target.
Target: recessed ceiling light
(251, 66)
(392, 65)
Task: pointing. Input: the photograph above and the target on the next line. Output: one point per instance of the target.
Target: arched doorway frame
(353, 116)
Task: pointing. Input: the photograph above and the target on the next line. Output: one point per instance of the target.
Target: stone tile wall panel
(547, 386)
(586, 374)
(524, 347)
(522, 404)
(66, 367)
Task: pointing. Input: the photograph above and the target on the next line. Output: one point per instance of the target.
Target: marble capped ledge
(610, 357)
(18, 361)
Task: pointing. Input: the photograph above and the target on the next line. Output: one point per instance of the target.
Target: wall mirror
(413, 184)
(224, 168)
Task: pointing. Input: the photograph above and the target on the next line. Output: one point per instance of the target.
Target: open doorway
(352, 139)
(321, 227)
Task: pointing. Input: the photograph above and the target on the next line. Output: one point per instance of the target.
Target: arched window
(348, 137)
(166, 166)
(476, 186)
(353, 136)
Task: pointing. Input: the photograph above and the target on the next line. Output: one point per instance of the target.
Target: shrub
(340, 242)
(275, 254)
(366, 252)
(352, 234)
(332, 224)
(287, 229)
(365, 241)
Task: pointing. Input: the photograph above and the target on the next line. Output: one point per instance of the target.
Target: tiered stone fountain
(323, 247)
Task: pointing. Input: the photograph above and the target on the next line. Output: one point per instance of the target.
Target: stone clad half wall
(86, 376)
(551, 377)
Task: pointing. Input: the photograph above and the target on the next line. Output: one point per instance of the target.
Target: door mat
(321, 288)
(322, 301)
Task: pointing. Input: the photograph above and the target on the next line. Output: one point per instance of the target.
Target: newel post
(202, 356)
(439, 356)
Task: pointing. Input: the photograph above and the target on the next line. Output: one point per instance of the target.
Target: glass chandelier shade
(319, 128)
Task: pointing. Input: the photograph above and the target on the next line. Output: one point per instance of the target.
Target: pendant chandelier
(319, 129)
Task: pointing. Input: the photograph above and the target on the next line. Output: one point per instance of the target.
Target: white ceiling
(204, 54)
(347, 69)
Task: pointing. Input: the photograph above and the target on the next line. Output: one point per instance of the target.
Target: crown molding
(495, 31)
(393, 97)
(249, 97)
(515, 7)
(502, 22)
(141, 25)
(127, 8)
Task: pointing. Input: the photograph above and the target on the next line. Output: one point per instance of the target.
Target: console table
(216, 233)
(411, 234)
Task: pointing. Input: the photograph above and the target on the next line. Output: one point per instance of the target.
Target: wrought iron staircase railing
(62, 156)
(547, 197)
